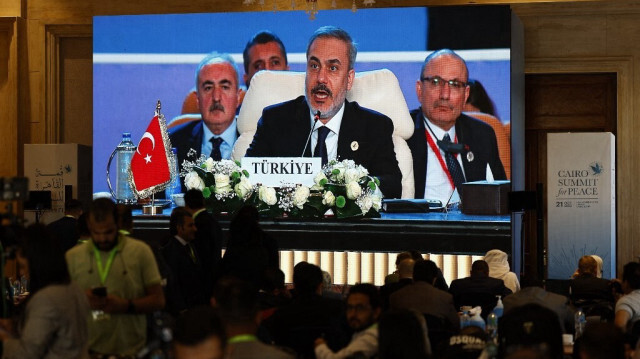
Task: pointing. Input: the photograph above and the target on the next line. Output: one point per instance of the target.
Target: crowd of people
(114, 296)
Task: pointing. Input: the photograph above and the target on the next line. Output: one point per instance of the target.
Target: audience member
(600, 341)
(599, 265)
(423, 297)
(478, 289)
(533, 292)
(589, 292)
(237, 302)
(402, 334)
(405, 275)
(327, 287)
(530, 328)
(199, 334)
(273, 294)
(479, 100)
(499, 268)
(187, 285)
(363, 310)
(394, 277)
(250, 250)
(121, 279)
(468, 344)
(628, 307)
(65, 230)
(309, 315)
(209, 237)
(54, 322)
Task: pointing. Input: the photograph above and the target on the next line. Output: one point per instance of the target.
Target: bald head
(405, 268)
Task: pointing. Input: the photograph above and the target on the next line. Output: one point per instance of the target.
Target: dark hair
(72, 205)
(370, 291)
(125, 217)
(245, 227)
(425, 270)
(631, 274)
(262, 37)
(177, 219)
(272, 279)
(531, 325)
(193, 199)
(587, 265)
(197, 325)
(336, 33)
(236, 299)
(401, 335)
(103, 208)
(479, 98)
(47, 264)
(306, 277)
(479, 266)
(601, 341)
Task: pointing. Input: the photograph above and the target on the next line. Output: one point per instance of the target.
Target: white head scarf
(498, 264)
(599, 265)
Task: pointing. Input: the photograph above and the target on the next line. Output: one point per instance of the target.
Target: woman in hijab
(499, 268)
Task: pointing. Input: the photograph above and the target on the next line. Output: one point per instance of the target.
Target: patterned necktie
(215, 150)
(192, 253)
(453, 166)
(321, 147)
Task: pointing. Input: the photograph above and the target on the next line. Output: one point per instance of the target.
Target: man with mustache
(442, 91)
(343, 130)
(218, 97)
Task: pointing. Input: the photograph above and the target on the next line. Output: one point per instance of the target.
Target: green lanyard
(242, 338)
(103, 272)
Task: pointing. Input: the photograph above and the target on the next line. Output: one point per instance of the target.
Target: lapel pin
(354, 146)
(470, 156)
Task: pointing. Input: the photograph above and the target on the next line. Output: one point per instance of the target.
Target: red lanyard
(436, 151)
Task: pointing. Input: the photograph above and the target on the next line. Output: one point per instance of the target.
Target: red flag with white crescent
(152, 162)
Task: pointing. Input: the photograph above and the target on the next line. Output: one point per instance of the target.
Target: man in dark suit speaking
(449, 148)
(339, 128)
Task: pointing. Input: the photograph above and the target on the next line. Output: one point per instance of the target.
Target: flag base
(152, 209)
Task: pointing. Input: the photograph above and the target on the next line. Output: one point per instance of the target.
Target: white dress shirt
(437, 184)
(332, 138)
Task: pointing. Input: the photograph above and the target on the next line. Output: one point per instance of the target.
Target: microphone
(316, 117)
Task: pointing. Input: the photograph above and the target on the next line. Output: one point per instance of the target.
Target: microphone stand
(316, 117)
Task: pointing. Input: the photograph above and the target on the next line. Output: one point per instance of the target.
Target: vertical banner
(581, 205)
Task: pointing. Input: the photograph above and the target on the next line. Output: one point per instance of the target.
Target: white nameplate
(276, 171)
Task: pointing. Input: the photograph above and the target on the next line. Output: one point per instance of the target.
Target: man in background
(448, 147)
(264, 51)
(199, 334)
(65, 229)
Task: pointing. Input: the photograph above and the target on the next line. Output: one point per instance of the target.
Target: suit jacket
(590, 290)
(426, 299)
(556, 302)
(186, 290)
(256, 349)
(474, 133)
(476, 291)
(65, 230)
(208, 243)
(284, 128)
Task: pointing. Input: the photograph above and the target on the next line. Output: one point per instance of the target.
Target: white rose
(243, 187)
(319, 177)
(300, 196)
(352, 175)
(209, 164)
(377, 201)
(365, 204)
(353, 190)
(328, 199)
(222, 183)
(362, 171)
(268, 195)
(193, 181)
(339, 177)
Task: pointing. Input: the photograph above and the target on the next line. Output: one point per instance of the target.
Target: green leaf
(235, 176)
(340, 201)
(245, 173)
(238, 163)
(323, 181)
(372, 185)
(376, 180)
(335, 171)
(206, 192)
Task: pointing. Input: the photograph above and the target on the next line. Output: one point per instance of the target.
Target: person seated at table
(54, 322)
(627, 311)
(600, 341)
(498, 262)
(531, 329)
(589, 292)
(478, 289)
(402, 334)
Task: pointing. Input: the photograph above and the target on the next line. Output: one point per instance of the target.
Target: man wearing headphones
(122, 282)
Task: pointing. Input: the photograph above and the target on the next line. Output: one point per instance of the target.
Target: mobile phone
(99, 291)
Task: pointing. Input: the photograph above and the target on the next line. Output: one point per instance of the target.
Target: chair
(503, 136)
(378, 90)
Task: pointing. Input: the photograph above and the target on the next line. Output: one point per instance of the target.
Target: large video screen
(140, 59)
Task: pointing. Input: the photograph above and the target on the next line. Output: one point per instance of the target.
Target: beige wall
(589, 36)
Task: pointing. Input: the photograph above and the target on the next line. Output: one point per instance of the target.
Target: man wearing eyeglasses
(448, 147)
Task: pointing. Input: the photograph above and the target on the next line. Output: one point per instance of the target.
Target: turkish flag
(152, 162)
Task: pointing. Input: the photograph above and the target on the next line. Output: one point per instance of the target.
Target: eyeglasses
(438, 82)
